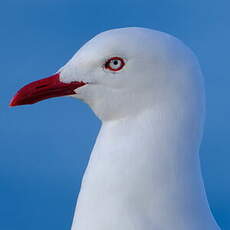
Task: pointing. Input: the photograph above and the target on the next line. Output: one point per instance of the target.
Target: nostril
(41, 86)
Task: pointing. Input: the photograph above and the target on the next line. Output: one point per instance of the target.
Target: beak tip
(16, 100)
(13, 102)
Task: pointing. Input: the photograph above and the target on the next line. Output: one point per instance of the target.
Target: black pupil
(115, 62)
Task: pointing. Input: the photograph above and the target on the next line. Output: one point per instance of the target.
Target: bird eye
(115, 64)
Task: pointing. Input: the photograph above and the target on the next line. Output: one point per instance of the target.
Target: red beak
(43, 89)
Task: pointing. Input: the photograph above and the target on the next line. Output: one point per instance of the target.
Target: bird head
(121, 72)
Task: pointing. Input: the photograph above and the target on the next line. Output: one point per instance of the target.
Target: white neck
(144, 174)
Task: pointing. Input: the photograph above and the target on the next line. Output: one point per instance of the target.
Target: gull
(144, 171)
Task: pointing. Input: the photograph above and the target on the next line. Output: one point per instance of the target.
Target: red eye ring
(114, 64)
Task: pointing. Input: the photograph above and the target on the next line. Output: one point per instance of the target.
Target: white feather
(144, 171)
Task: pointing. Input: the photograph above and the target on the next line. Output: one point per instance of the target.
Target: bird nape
(144, 173)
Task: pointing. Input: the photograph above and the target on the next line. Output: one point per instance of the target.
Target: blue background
(44, 148)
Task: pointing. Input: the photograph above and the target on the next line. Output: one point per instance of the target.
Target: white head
(157, 68)
(127, 71)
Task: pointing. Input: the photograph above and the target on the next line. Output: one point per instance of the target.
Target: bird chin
(79, 94)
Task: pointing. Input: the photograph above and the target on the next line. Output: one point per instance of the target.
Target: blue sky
(44, 148)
